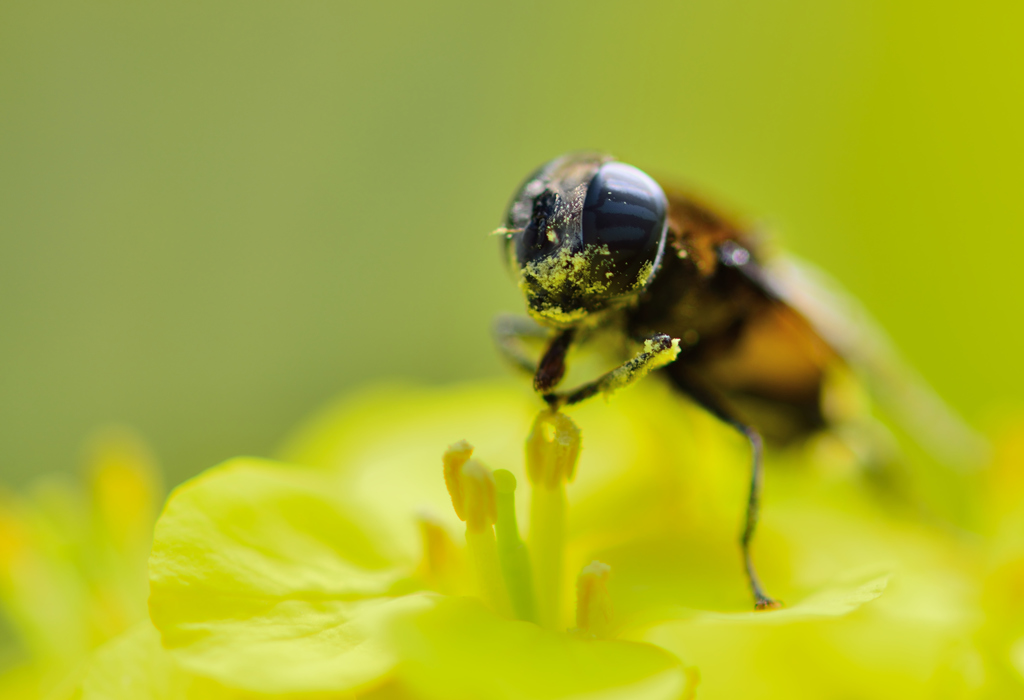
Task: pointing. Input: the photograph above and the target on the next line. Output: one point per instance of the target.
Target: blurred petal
(387, 445)
(134, 667)
(125, 485)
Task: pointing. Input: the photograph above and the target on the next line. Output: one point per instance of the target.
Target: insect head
(584, 233)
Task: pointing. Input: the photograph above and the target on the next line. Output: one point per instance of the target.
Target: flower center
(517, 579)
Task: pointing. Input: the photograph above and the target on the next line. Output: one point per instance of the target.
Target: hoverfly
(598, 244)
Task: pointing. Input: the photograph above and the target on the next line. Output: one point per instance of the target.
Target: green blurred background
(215, 216)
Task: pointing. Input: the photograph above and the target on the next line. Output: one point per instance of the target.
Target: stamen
(512, 554)
(454, 457)
(479, 509)
(442, 561)
(552, 450)
(593, 603)
(471, 486)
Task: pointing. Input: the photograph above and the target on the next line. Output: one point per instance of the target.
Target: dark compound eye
(624, 210)
(538, 237)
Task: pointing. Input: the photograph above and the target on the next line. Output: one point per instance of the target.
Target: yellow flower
(283, 579)
(365, 565)
(73, 563)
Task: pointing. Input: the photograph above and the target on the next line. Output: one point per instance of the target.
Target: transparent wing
(898, 388)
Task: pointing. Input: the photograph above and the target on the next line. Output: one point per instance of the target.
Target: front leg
(551, 368)
(659, 350)
(513, 335)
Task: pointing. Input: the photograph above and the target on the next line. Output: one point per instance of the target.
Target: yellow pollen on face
(555, 271)
(643, 275)
(565, 274)
(556, 315)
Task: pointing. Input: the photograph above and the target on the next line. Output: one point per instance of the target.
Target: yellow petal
(458, 650)
(829, 645)
(833, 601)
(266, 577)
(133, 666)
(125, 485)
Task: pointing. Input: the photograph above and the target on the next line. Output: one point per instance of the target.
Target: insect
(599, 245)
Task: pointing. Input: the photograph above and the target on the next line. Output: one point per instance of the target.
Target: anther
(454, 457)
(552, 450)
(471, 486)
(593, 603)
(442, 561)
(473, 497)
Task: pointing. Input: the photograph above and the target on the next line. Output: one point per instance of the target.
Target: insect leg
(552, 365)
(658, 351)
(716, 406)
(510, 335)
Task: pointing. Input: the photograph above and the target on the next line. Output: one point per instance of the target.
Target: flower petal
(133, 666)
(793, 652)
(267, 578)
(458, 649)
(834, 601)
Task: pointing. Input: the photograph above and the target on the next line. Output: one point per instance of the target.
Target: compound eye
(537, 238)
(624, 213)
